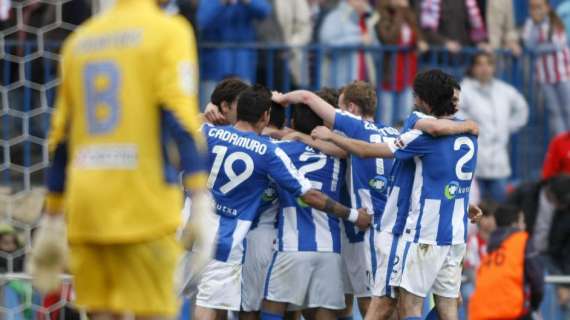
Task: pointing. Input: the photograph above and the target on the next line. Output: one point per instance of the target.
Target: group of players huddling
(336, 206)
(302, 219)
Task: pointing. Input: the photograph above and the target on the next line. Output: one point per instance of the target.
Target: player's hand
(293, 97)
(475, 213)
(213, 115)
(279, 98)
(292, 136)
(322, 132)
(49, 255)
(364, 219)
(473, 127)
(282, 134)
(197, 234)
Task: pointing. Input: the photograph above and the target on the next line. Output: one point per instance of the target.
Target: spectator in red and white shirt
(398, 27)
(477, 240)
(557, 158)
(544, 31)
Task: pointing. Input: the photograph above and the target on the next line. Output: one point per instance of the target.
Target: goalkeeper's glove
(49, 254)
(198, 234)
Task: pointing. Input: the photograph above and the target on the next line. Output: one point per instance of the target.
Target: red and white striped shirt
(552, 66)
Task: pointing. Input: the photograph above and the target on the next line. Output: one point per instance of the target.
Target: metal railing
(29, 82)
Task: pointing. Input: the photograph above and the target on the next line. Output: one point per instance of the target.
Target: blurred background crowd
(513, 58)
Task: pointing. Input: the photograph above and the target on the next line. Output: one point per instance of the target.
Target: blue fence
(29, 83)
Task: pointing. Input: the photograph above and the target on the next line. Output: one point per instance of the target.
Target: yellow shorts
(133, 278)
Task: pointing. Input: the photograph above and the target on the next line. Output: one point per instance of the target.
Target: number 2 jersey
(444, 169)
(367, 178)
(300, 227)
(128, 90)
(242, 164)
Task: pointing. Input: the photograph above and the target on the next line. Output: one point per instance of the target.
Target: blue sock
(270, 316)
(413, 318)
(346, 318)
(432, 315)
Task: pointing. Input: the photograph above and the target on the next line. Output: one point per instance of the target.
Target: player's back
(400, 187)
(126, 76)
(368, 177)
(241, 164)
(440, 195)
(302, 228)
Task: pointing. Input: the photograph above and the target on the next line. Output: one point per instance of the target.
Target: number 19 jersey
(242, 164)
(302, 228)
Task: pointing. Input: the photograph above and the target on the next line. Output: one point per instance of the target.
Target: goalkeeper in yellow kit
(128, 91)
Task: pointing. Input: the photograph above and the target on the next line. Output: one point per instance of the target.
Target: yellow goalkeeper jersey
(128, 94)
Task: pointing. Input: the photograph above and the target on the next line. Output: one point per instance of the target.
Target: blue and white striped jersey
(241, 166)
(400, 187)
(442, 181)
(269, 207)
(302, 228)
(367, 178)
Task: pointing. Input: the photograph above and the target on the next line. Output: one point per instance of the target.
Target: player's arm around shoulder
(357, 147)
(446, 127)
(325, 147)
(321, 201)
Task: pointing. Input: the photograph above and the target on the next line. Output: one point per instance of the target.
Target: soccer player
(436, 226)
(222, 108)
(306, 270)
(241, 166)
(260, 239)
(369, 179)
(129, 82)
(367, 182)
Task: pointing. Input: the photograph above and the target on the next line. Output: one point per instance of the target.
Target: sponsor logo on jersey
(452, 190)
(226, 211)
(269, 195)
(378, 183)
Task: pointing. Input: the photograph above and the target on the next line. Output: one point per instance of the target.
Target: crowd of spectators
(414, 26)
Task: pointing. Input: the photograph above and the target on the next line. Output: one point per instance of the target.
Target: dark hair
(227, 90)
(305, 119)
(435, 88)
(559, 188)
(557, 23)
(474, 59)
(363, 95)
(330, 95)
(488, 207)
(390, 26)
(277, 115)
(252, 104)
(506, 215)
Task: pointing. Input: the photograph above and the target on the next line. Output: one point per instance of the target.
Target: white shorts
(220, 286)
(258, 254)
(390, 250)
(187, 281)
(306, 280)
(430, 267)
(358, 260)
